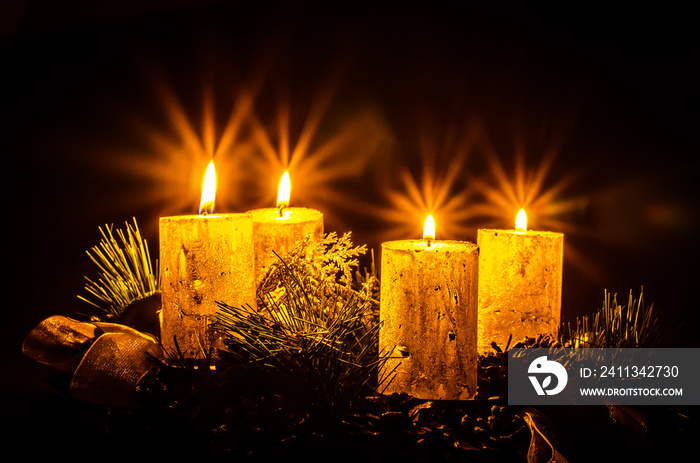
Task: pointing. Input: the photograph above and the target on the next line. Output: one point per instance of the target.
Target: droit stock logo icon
(541, 372)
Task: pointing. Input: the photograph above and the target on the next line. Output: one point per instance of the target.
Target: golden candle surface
(205, 259)
(428, 315)
(520, 285)
(278, 230)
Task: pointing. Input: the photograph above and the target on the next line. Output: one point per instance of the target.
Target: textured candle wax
(277, 232)
(204, 259)
(520, 282)
(428, 311)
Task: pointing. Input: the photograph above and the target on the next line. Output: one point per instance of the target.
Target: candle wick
(428, 243)
(281, 209)
(206, 208)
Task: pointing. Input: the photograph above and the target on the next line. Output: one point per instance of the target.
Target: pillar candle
(520, 283)
(428, 311)
(204, 259)
(279, 228)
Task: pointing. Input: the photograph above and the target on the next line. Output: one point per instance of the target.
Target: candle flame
(521, 221)
(429, 229)
(206, 205)
(284, 191)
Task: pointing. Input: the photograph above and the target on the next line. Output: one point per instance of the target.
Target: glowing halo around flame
(532, 183)
(438, 192)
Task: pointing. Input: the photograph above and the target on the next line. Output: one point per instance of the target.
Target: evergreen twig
(314, 331)
(615, 325)
(125, 269)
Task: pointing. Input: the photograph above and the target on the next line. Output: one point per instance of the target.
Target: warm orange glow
(206, 205)
(521, 221)
(429, 229)
(284, 191)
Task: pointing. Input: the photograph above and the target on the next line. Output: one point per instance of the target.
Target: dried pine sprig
(314, 260)
(125, 270)
(616, 326)
(314, 333)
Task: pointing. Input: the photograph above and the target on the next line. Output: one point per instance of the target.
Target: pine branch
(615, 325)
(314, 333)
(125, 271)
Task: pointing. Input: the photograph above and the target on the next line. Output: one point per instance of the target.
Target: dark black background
(615, 87)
